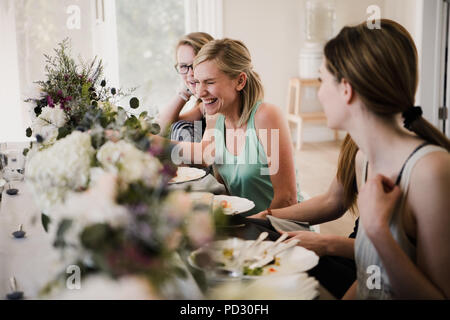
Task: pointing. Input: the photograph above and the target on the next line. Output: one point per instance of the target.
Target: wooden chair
(295, 115)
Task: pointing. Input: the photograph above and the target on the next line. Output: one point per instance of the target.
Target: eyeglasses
(183, 68)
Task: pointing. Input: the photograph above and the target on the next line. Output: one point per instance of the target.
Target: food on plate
(225, 204)
(185, 174)
(228, 255)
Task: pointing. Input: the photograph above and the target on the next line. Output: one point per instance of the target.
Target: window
(147, 32)
(135, 39)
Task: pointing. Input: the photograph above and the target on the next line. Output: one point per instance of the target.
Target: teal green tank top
(245, 175)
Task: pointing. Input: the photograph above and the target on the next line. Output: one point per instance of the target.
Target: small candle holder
(14, 294)
(19, 234)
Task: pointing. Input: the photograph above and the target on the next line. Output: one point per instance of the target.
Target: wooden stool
(294, 113)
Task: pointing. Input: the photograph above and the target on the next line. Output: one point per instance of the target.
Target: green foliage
(45, 219)
(63, 227)
(63, 131)
(100, 237)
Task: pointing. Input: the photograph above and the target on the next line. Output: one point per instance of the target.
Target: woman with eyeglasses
(190, 125)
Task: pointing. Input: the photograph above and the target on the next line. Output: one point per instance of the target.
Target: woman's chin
(211, 111)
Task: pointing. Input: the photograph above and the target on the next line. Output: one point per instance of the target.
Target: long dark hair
(382, 67)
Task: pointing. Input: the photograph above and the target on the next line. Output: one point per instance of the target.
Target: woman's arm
(429, 277)
(278, 148)
(325, 244)
(171, 113)
(319, 209)
(351, 292)
(199, 153)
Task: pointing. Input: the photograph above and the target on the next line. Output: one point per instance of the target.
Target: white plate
(185, 174)
(234, 205)
(291, 261)
(297, 286)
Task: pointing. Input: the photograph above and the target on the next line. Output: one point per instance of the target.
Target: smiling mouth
(208, 102)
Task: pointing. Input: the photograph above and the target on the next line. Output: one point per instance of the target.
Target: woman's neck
(384, 143)
(232, 115)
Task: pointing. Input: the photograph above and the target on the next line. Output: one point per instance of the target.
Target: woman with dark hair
(369, 78)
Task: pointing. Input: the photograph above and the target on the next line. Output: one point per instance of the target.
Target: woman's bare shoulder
(432, 166)
(430, 180)
(268, 116)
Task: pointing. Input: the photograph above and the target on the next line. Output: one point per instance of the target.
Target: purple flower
(169, 170)
(155, 150)
(50, 102)
(60, 93)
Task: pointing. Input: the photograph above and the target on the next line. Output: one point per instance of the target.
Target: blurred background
(136, 40)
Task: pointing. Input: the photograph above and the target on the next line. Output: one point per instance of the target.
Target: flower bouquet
(102, 186)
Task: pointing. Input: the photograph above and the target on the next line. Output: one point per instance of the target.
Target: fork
(269, 258)
(235, 269)
(272, 245)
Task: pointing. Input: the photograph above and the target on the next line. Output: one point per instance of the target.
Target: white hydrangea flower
(48, 123)
(130, 163)
(62, 167)
(96, 205)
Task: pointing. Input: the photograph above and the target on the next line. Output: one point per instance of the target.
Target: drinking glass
(12, 164)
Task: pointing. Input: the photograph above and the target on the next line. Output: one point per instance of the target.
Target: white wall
(11, 117)
(273, 30)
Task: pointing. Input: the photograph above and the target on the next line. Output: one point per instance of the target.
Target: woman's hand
(376, 203)
(310, 240)
(184, 92)
(260, 215)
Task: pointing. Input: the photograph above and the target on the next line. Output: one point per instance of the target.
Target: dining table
(33, 261)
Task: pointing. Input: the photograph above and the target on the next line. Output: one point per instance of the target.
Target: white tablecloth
(31, 260)
(34, 262)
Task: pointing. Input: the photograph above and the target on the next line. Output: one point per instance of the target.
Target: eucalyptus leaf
(45, 219)
(62, 132)
(143, 114)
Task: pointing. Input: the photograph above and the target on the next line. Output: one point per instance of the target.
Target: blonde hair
(232, 57)
(381, 65)
(196, 40)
